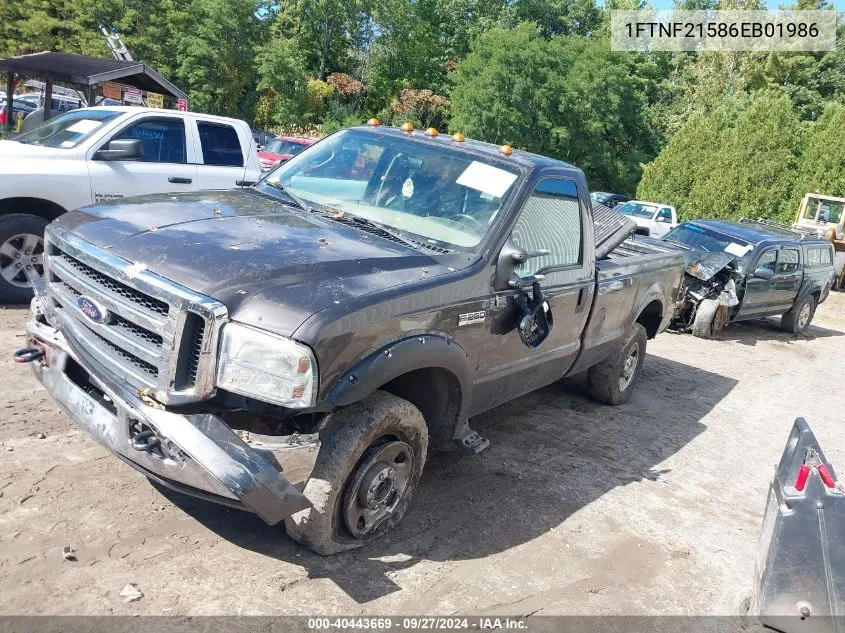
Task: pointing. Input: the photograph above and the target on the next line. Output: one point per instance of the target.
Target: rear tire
(21, 246)
(704, 324)
(799, 318)
(612, 380)
(372, 452)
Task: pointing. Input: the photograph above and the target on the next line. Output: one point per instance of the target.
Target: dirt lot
(649, 508)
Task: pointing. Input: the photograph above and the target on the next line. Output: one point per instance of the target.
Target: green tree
(822, 166)
(216, 56)
(738, 161)
(685, 161)
(567, 97)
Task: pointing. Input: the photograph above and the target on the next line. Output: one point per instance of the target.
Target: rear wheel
(612, 380)
(371, 457)
(798, 319)
(21, 255)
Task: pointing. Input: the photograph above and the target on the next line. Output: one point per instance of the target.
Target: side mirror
(122, 149)
(764, 273)
(510, 257)
(259, 147)
(535, 318)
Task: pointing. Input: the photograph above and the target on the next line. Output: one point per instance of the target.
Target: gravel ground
(649, 508)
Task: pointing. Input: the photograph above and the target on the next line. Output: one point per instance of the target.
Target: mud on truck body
(295, 348)
(736, 271)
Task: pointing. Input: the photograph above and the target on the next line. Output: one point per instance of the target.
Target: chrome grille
(154, 334)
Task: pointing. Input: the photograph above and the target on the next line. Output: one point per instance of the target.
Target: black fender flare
(807, 288)
(422, 351)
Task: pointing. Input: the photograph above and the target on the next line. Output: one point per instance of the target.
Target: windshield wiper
(376, 227)
(296, 199)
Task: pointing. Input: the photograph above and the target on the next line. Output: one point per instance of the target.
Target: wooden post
(10, 98)
(48, 98)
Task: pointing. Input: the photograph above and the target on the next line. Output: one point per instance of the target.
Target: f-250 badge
(471, 317)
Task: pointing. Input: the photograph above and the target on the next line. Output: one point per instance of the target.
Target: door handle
(582, 296)
(178, 180)
(245, 183)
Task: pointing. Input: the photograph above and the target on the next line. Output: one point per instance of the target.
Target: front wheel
(21, 255)
(612, 380)
(798, 319)
(371, 458)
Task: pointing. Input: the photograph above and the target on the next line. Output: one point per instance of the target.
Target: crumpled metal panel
(703, 265)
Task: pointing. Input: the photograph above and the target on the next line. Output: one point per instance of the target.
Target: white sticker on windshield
(737, 250)
(408, 188)
(83, 126)
(486, 179)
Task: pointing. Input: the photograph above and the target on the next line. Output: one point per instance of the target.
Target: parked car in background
(107, 153)
(610, 200)
(748, 270)
(280, 149)
(20, 109)
(262, 137)
(652, 218)
(59, 103)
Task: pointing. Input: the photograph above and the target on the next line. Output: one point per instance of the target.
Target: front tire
(799, 318)
(704, 324)
(612, 380)
(371, 458)
(21, 255)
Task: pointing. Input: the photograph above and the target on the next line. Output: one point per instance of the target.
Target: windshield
(823, 211)
(281, 146)
(701, 239)
(67, 130)
(638, 210)
(439, 194)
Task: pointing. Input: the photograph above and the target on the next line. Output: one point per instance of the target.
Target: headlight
(267, 367)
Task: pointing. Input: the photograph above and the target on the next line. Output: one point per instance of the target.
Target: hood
(13, 149)
(272, 156)
(272, 265)
(705, 265)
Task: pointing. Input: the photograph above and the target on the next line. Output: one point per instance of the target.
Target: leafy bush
(567, 97)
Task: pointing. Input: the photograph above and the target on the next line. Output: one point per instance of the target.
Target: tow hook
(145, 441)
(28, 354)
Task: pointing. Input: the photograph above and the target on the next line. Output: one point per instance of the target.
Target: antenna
(115, 44)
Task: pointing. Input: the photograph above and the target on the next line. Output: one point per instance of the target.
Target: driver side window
(550, 220)
(163, 139)
(768, 260)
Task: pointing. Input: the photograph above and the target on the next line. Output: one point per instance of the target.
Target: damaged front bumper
(193, 453)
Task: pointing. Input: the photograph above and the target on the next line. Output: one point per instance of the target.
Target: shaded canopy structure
(85, 72)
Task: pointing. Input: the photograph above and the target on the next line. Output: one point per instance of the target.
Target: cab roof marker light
(431, 132)
(407, 127)
(373, 122)
(458, 137)
(506, 150)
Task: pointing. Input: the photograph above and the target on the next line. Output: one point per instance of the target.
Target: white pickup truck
(105, 153)
(652, 218)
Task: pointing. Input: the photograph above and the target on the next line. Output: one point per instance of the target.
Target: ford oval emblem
(93, 310)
